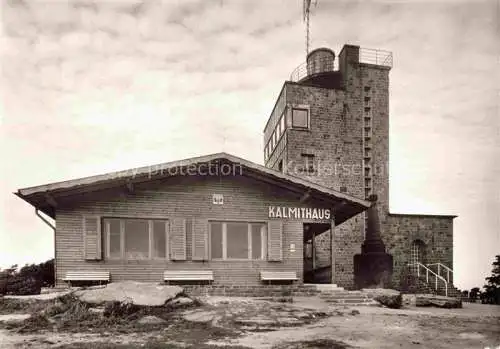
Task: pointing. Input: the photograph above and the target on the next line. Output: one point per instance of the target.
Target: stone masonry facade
(348, 138)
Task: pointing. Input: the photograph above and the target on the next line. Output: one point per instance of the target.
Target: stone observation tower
(330, 125)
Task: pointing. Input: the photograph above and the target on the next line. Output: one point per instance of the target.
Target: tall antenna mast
(306, 10)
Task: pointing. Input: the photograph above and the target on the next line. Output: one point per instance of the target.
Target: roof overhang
(45, 197)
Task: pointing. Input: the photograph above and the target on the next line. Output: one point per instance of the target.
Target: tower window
(308, 162)
(300, 118)
(280, 166)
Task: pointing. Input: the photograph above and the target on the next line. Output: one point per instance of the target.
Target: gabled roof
(44, 197)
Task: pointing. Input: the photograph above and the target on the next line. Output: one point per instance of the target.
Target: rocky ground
(179, 321)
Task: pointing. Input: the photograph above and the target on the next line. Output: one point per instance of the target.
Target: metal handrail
(441, 265)
(366, 55)
(314, 66)
(436, 276)
(375, 56)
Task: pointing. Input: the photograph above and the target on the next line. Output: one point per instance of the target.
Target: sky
(97, 86)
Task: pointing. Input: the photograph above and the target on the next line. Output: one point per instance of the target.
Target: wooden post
(313, 247)
(332, 246)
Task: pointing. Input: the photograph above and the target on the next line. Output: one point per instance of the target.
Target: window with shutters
(135, 239)
(237, 240)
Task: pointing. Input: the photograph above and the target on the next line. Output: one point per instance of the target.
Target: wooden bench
(89, 275)
(278, 276)
(188, 275)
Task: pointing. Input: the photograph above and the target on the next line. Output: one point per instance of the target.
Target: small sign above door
(217, 199)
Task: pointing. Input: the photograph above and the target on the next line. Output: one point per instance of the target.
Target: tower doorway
(417, 253)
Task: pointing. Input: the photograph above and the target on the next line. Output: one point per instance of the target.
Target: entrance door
(317, 253)
(309, 260)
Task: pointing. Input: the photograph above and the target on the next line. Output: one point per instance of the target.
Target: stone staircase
(335, 295)
(426, 284)
(452, 291)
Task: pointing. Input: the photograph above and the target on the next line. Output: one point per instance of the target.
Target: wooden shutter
(274, 241)
(178, 239)
(200, 240)
(92, 238)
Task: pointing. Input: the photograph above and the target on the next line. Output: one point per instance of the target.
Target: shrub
(120, 309)
(491, 295)
(28, 280)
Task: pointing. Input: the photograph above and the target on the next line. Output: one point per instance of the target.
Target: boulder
(150, 320)
(138, 293)
(430, 300)
(409, 299)
(181, 302)
(200, 316)
(390, 298)
(99, 310)
(14, 318)
(258, 321)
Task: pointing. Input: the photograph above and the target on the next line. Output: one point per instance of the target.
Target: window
(257, 238)
(308, 160)
(280, 166)
(300, 118)
(278, 130)
(114, 239)
(237, 240)
(159, 239)
(134, 239)
(282, 123)
(216, 240)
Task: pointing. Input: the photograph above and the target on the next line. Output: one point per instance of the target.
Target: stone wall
(285, 290)
(401, 230)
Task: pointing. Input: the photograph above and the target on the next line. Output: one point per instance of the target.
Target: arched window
(417, 253)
